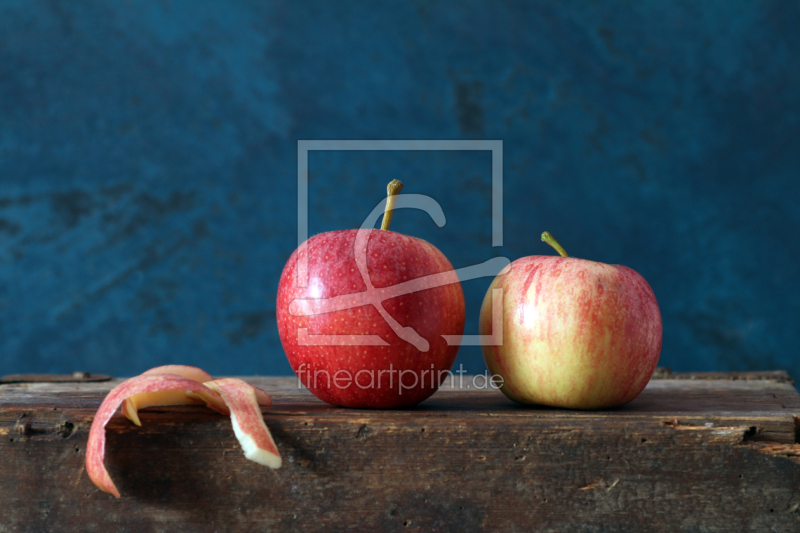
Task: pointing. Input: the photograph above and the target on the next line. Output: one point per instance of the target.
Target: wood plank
(690, 454)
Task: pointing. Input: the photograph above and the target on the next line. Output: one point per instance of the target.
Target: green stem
(549, 239)
(392, 190)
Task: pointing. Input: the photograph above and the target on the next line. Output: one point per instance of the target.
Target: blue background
(148, 163)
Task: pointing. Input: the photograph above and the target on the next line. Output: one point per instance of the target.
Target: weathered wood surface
(692, 453)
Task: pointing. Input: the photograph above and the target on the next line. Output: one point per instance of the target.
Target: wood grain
(687, 455)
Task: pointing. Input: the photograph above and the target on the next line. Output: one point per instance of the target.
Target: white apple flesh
(576, 333)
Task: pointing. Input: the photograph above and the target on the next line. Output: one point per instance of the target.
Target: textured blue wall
(148, 163)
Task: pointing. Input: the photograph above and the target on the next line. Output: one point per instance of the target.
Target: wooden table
(695, 452)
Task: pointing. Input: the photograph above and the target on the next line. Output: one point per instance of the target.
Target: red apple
(576, 333)
(380, 346)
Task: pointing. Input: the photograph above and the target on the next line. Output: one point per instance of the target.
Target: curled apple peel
(228, 396)
(248, 424)
(96, 447)
(131, 406)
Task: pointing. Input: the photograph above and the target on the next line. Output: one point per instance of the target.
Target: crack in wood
(777, 449)
(599, 483)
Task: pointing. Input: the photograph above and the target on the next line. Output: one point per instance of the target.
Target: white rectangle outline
(305, 146)
(495, 146)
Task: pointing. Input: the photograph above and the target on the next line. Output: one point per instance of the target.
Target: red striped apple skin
(576, 333)
(392, 258)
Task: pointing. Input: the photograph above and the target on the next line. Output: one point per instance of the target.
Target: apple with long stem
(362, 313)
(576, 333)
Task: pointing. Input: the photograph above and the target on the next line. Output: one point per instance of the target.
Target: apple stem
(549, 239)
(392, 190)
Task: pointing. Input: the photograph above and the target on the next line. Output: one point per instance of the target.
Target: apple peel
(180, 385)
(191, 372)
(96, 446)
(262, 398)
(131, 406)
(248, 425)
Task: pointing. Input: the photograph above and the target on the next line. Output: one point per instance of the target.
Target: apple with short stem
(576, 333)
(361, 314)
